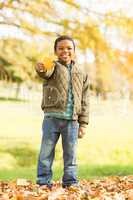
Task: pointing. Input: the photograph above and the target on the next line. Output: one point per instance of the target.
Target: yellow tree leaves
(87, 27)
(121, 22)
(26, 15)
(125, 62)
(20, 58)
(72, 3)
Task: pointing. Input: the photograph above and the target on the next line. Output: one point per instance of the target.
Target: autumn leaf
(109, 188)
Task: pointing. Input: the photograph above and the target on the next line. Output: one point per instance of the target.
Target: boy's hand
(40, 67)
(82, 131)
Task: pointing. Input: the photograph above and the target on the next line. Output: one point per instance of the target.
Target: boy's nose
(65, 50)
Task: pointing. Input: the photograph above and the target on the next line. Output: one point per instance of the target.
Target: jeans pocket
(75, 124)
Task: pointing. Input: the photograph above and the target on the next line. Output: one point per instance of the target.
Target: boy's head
(64, 48)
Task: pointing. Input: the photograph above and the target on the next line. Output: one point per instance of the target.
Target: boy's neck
(64, 63)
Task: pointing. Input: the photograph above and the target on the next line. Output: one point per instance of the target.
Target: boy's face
(65, 51)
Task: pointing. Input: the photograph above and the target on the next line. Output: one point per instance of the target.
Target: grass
(25, 156)
(105, 150)
(11, 99)
(84, 172)
(19, 172)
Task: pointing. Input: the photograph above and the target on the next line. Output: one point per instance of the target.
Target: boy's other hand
(81, 132)
(40, 67)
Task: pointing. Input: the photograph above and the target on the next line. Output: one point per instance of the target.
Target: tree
(86, 26)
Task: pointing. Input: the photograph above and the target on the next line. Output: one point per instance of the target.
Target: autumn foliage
(104, 40)
(110, 188)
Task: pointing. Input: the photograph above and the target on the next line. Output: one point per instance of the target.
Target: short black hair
(63, 37)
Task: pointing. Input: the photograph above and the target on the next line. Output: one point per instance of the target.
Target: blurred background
(103, 33)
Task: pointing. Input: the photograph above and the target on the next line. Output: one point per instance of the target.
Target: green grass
(84, 172)
(18, 172)
(94, 171)
(24, 155)
(12, 99)
(105, 150)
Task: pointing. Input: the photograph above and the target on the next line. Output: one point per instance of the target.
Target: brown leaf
(130, 195)
(22, 182)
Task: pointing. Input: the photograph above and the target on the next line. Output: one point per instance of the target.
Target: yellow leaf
(48, 62)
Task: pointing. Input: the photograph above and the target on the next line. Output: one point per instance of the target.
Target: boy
(66, 111)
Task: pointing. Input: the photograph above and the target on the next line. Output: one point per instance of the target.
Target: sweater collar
(67, 65)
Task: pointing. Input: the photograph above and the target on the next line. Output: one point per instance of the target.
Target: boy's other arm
(42, 72)
(83, 118)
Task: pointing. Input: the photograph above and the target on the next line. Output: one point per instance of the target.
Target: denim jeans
(52, 129)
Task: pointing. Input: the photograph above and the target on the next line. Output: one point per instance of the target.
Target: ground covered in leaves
(110, 188)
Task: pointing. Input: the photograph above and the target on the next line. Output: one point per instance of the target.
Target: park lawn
(105, 150)
(84, 172)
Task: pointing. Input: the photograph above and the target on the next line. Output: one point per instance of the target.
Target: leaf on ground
(110, 188)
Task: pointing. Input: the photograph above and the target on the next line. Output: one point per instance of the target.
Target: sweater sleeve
(45, 74)
(84, 116)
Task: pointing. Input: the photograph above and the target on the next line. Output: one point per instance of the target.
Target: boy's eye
(68, 48)
(60, 48)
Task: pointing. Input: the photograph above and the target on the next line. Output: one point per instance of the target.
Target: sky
(103, 6)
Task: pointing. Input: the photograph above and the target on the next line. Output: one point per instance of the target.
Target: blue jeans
(52, 129)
